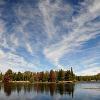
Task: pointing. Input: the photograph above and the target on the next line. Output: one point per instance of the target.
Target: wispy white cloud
(76, 38)
(12, 61)
(95, 7)
(50, 12)
(88, 64)
(90, 71)
(50, 29)
(44, 7)
(3, 40)
(15, 40)
(69, 44)
(26, 14)
(29, 48)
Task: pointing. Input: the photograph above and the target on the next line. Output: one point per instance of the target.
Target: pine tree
(60, 76)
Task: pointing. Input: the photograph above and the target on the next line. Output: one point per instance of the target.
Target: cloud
(29, 48)
(54, 30)
(76, 38)
(69, 44)
(15, 40)
(90, 71)
(87, 65)
(3, 37)
(2, 27)
(50, 12)
(2, 2)
(44, 7)
(95, 7)
(17, 63)
(1, 54)
(30, 25)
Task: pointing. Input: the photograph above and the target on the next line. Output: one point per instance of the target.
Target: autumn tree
(9, 73)
(52, 76)
(8, 76)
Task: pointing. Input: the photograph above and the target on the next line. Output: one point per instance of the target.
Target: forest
(47, 76)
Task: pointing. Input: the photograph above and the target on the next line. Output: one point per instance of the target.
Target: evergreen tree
(72, 76)
(19, 76)
(67, 75)
(46, 76)
(1, 76)
(60, 76)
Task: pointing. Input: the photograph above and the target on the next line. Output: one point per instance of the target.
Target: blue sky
(39, 35)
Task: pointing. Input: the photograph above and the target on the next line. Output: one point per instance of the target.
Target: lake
(53, 91)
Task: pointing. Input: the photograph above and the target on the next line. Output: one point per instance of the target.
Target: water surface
(53, 91)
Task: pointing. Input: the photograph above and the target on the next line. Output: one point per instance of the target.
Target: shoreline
(48, 82)
(38, 82)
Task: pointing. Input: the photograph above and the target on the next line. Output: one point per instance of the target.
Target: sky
(40, 35)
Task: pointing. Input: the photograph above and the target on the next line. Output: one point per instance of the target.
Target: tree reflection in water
(54, 88)
(7, 89)
(50, 88)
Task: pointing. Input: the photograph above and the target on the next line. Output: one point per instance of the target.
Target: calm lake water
(77, 91)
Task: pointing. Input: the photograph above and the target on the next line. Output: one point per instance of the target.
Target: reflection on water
(51, 88)
(7, 89)
(53, 91)
(55, 88)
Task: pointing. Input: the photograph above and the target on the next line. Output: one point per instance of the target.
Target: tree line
(47, 76)
(88, 78)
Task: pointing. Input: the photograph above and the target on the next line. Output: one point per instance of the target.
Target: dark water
(77, 91)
